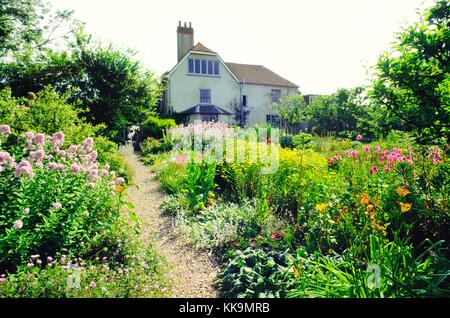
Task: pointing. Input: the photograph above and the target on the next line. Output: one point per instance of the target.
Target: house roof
(205, 109)
(258, 74)
(199, 47)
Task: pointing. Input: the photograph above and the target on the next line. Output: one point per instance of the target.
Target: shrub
(54, 200)
(217, 225)
(255, 273)
(155, 127)
(171, 205)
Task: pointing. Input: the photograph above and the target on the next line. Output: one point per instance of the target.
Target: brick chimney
(185, 39)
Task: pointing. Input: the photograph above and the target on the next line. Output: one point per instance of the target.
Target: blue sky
(320, 45)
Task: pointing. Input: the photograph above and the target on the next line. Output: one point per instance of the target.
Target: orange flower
(370, 208)
(402, 192)
(321, 207)
(294, 270)
(364, 199)
(405, 207)
(119, 189)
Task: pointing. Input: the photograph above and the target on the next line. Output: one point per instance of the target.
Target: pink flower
(435, 162)
(92, 285)
(26, 211)
(366, 149)
(348, 153)
(92, 174)
(4, 157)
(39, 155)
(386, 169)
(62, 153)
(5, 129)
(354, 153)
(377, 149)
(72, 149)
(18, 224)
(29, 136)
(24, 167)
(52, 165)
(119, 181)
(276, 236)
(104, 172)
(89, 143)
(49, 259)
(145, 265)
(57, 206)
(359, 137)
(92, 156)
(375, 169)
(39, 139)
(57, 139)
(371, 171)
(76, 168)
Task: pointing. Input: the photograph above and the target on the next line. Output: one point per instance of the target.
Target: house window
(204, 71)
(274, 120)
(203, 67)
(197, 67)
(216, 67)
(276, 95)
(210, 117)
(205, 96)
(210, 67)
(244, 100)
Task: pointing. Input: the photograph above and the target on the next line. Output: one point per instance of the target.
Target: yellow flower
(405, 207)
(364, 199)
(402, 192)
(370, 208)
(321, 207)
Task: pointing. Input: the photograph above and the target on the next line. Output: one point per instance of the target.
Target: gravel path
(193, 272)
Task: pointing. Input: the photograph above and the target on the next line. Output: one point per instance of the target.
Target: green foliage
(171, 205)
(199, 184)
(413, 81)
(254, 273)
(291, 108)
(155, 127)
(217, 226)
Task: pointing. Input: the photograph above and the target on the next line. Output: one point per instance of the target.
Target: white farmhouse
(201, 86)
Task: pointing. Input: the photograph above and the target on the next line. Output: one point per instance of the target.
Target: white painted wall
(184, 92)
(184, 89)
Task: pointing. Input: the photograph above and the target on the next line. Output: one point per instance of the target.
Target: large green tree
(413, 79)
(108, 83)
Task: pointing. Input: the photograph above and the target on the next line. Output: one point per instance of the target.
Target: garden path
(193, 272)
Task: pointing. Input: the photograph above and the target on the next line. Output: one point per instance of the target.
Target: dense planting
(356, 220)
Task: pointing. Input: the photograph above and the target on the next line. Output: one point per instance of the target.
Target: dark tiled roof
(258, 74)
(205, 109)
(201, 48)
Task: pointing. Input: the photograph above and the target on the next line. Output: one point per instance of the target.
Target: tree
(413, 79)
(291, 109)
(339, 112)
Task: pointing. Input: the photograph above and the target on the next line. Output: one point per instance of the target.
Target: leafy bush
(217, 226)
(155, 127)
(171, 205)
(255, 273)
(54, 200)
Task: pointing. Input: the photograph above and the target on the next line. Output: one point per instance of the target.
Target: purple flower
(39, 155)
(57, 139)
(72, 149)
(93, 173)
(104, 172)
(4, 157)
(5, 129)
(92, 285)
